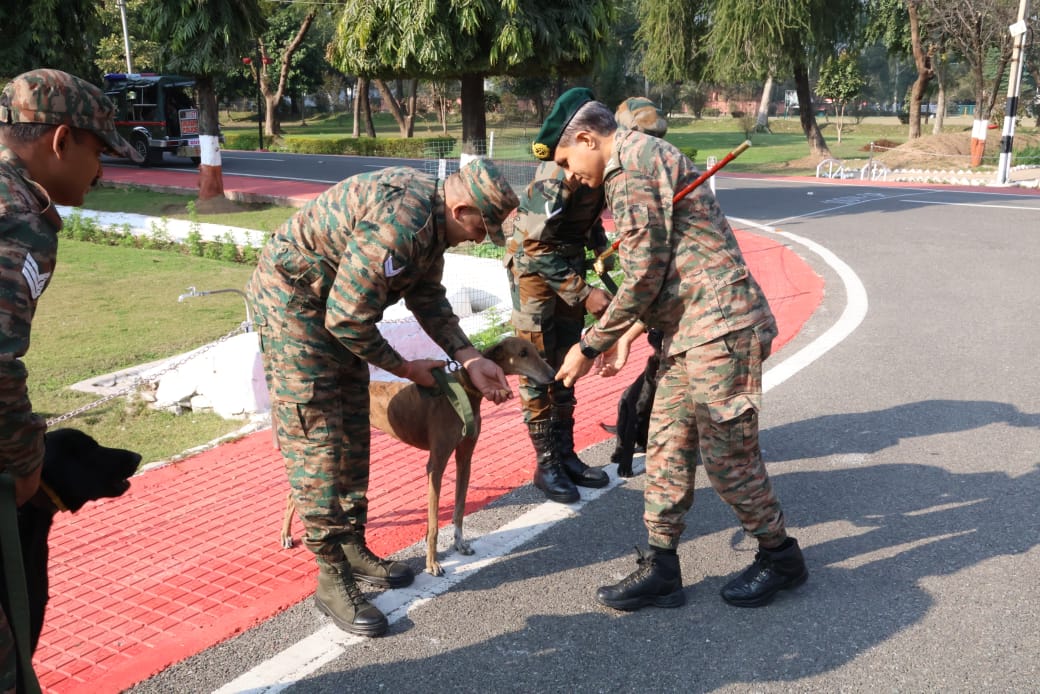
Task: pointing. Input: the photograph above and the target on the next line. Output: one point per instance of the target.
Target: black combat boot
(549, 475)
(580, 473)
(367, 567)
(339, 597)
(657, 582)
(773, 570)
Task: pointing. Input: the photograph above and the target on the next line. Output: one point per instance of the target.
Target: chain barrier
(153, 378)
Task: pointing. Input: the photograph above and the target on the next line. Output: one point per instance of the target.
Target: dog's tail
(609, 428)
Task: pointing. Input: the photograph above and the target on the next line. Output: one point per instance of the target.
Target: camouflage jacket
(684, 273)
(29, 228)
(551, 230)
(361, 246)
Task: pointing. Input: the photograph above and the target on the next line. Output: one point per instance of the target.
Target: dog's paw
(625, 471)
(434, 568)
(287, 542)
(463, 547)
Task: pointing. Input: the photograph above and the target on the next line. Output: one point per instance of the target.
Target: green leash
(456, 394)
(17, 593)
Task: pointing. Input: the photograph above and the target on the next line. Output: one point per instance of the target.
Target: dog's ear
(495, 353)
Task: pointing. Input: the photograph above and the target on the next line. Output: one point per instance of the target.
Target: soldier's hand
(419, 371)
(597, 301)
(575, 365)
(489, 379)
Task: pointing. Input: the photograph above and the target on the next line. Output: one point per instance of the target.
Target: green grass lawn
(110, 308)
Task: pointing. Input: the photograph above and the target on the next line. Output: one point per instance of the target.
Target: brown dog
(400, 409)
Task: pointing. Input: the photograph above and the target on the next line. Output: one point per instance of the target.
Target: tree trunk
(211, 177)
(474, 119)
(272, 121)
(940, 106)
(366, 112)
(360, 87)
(404, 120)
(413, 104)
(925, 73)
(762, 124)
(807, 114)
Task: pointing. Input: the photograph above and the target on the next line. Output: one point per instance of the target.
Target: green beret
(639, 113)
(563, 111)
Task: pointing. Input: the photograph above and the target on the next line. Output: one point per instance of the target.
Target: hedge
(409, 148)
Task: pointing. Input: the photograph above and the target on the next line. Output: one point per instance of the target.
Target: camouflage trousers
(707, 403)
(540, 316)
(319, 411)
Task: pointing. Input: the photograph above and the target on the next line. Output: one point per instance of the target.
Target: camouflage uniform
(685, 275)
(322, 284)
(29, 227)
(546, 258)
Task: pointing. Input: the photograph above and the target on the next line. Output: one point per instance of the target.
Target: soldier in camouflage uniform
(553, 226)
(685, 275)
(321, 286)
(546, 261)
(53, 127)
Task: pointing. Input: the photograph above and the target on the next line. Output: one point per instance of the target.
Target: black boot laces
(646, 567)
(369, 555)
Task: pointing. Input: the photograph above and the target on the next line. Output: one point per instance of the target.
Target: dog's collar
(53, 496)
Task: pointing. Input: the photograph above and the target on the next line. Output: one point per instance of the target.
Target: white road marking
(856, 305)
(328, 643)
(973, 204)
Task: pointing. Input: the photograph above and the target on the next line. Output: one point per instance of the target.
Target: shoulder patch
(36, 280)
(393, 266)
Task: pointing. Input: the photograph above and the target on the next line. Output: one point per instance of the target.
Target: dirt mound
(944, 151)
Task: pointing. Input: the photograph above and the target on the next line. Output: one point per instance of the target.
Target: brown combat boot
(339, 597)
(367, 567)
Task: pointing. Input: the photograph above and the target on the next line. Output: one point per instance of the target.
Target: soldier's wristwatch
(587, 351)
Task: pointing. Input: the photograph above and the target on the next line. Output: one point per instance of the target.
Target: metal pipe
(192, 292)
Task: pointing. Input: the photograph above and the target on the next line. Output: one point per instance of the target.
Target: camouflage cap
(563, 111)
(639, 113)
(489, 191)
(58, 98)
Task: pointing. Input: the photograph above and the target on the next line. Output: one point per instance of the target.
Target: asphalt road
(901, 430)
(281, 165)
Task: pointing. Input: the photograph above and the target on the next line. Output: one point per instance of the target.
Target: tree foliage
(469, 40)
(841, 81)
(50, 33)
(672, 38)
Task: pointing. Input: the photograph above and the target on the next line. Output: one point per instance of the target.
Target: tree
(205, 38)
(469, 40)
(898, 25)
(111, 49)
(752, 39)
(744, 40)
(289, 42)
(978, 31)
(50, 33)
(841, 81)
